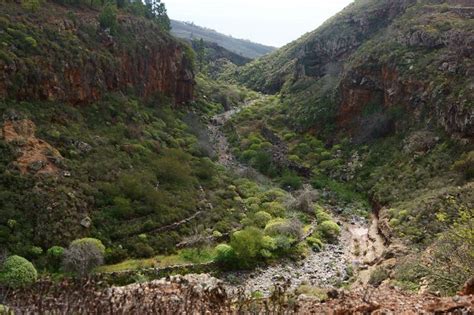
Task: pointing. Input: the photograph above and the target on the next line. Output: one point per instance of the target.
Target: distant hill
(242, 47)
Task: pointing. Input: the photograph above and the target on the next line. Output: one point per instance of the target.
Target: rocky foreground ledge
(203, 294)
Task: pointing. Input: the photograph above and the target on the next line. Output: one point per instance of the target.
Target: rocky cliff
(375, 63)
(57, 54)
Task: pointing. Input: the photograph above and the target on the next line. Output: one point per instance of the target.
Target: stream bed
(358, 247)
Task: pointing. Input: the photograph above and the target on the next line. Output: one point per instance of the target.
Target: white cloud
(272, 22)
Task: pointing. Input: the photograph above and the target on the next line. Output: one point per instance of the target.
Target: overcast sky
(271, 22)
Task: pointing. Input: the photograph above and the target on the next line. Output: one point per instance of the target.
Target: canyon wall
(60, 55)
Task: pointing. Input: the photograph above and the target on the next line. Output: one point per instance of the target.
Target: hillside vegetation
(378, 102)
(242, 47)
(333, 173)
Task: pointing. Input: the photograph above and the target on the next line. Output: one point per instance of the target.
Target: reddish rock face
(140, 58)
(36, 155)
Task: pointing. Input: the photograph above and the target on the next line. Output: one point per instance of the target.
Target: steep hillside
(98, 137)
(126, 155)
(379, 58)
(212, 52)
(376, 107)
(63, 54)
(241, 47)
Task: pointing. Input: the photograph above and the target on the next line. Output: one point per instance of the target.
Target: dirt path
(221, 144)
(359, 245)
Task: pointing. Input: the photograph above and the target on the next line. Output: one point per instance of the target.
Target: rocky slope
(203, 294)
(374, 61)
(56, 54)
(380, 100)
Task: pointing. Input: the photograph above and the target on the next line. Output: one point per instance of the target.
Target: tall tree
(157, 10)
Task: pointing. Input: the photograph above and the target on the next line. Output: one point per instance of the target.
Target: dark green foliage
(55, 255)
(225, 255)
(108, 18)
(314, 243)
(290, 181)
(156, 10)
(115, 255)
(466, 165)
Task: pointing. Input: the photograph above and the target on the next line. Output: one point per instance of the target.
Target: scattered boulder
(86, 222)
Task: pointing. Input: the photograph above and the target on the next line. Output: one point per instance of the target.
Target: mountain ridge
(246, 48)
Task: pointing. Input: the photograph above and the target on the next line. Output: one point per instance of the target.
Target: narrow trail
(359, 245)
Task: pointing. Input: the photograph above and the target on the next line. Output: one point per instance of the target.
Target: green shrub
(55, 255)
(55, 252)
(247, 155)
(90, 241)
(261, 218)
(315, 243)
(330, 231)
(108, 17)
(142, 250)
(290, 181)
(17, 272)
(173, 171)
(115, 255)
(83, 255)
(274, 208)
(284, 227)
(321, 214)
(247, 245)
(31, 42)
(35, 251)
(225, 255)
(262, 161)
(31, 5)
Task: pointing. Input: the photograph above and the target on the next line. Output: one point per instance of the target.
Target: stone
(86, 222)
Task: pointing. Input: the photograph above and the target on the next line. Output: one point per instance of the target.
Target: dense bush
(261, 218)
(17, 272)
(83, 255)
(315, 243)
(291, 228)
(31, 5)
(290, 181)
(115, 255)
(55, 255)
(330, 231)
(108, 18)
(225, 255)
(247, 245)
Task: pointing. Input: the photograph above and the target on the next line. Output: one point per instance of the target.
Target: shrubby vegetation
(83, 255)
(17, 272)
(151, 9)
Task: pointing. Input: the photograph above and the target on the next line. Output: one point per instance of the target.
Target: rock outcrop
(378, 67)
(34, 155)
(56, 55)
